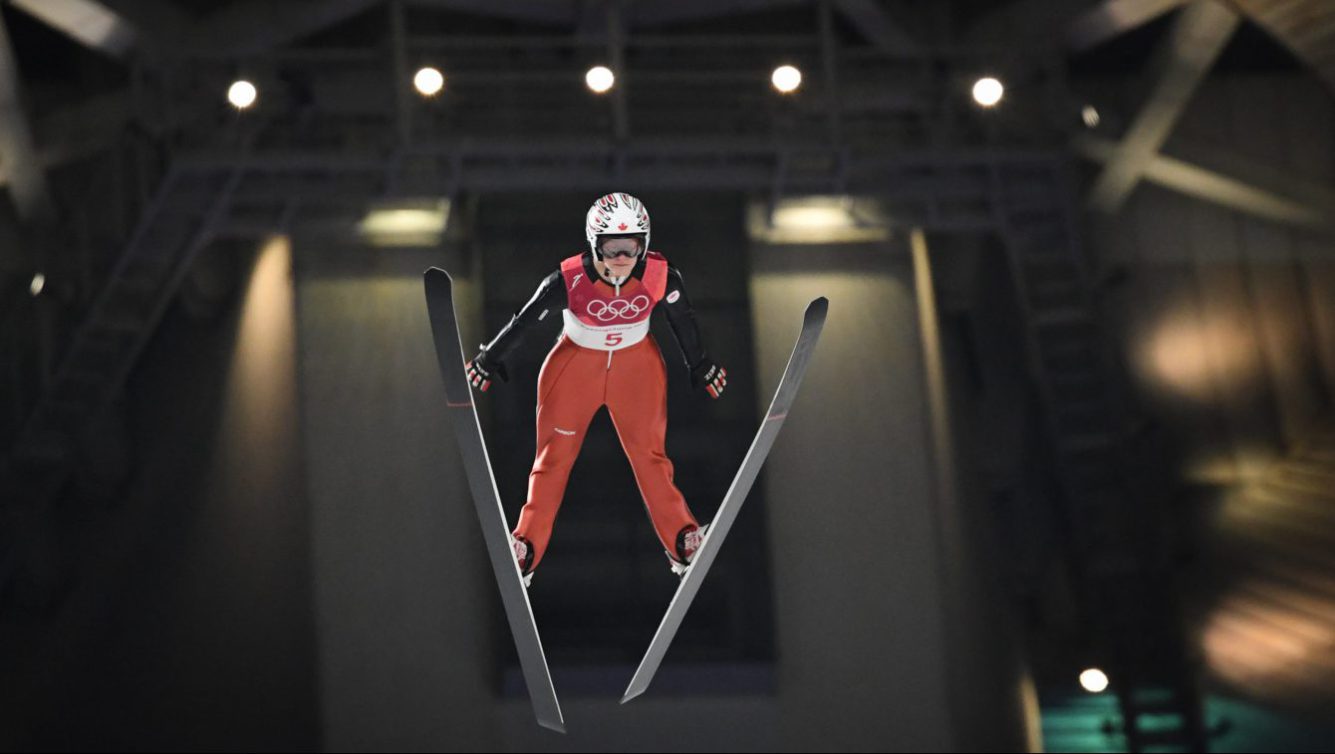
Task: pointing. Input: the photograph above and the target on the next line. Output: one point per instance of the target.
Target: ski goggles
(607, 254)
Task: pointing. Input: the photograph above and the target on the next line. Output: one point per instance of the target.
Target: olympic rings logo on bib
(617, 308)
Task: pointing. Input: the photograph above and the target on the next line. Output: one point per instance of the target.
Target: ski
(495, 532)
(812, 322)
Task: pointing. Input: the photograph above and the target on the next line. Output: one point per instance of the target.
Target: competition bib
(596, 317)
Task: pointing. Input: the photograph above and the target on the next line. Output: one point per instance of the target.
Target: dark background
(1071, 409)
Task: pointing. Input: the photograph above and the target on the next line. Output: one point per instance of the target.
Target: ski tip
(817, 309)
(557, 725)
(437, 280)
(438, 273)
(631, 695)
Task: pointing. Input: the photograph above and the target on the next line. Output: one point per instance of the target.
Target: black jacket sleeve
(681, 317)
(550, 298)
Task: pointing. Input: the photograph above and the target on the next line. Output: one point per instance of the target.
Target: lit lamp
(428, 81)
(786, 79)
(1093, 680)
(599, 79)
(987, 91)
(242, 94)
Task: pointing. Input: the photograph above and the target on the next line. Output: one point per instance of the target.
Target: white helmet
(615, 215)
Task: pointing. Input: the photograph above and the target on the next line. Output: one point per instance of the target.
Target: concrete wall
(858, 604)
(877, 639)
(403, 599)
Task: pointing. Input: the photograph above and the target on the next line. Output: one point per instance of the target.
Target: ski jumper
(605, 356)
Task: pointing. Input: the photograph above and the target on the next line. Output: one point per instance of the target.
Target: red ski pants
(575, 382)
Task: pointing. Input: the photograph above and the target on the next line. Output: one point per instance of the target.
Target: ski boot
(688, 541)
(524, 557)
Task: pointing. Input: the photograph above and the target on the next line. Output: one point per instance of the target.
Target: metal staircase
(1125, 581)
(177, 224)
(179, 220)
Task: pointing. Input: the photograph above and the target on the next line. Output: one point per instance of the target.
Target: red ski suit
(631, 380)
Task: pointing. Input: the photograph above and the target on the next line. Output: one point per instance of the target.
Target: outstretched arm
(704, 372)
(490, 361)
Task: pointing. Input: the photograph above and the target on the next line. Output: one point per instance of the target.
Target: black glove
(481, 371)
(711, 376)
